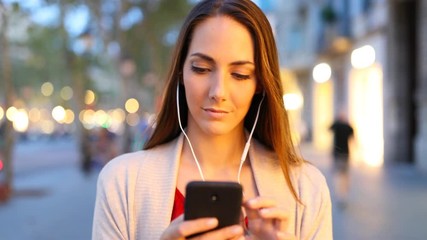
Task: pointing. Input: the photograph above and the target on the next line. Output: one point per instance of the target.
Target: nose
(218, 87)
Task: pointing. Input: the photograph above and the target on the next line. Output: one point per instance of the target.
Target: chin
(217, 129)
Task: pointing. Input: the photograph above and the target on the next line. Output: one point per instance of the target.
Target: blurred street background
(81, 82)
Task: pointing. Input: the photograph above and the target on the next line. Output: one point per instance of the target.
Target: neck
(215, 153)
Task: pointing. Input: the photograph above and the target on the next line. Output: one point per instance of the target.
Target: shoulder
(316, 219)
(122, 164)
(310, 182)
(309, 173)
(128, 166)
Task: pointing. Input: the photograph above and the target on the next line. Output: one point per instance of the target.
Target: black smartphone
(222, 200)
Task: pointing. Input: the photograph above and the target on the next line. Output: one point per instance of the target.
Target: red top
(178, 206)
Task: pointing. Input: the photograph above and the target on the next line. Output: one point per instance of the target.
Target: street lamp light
(363, 57)
(322, 72)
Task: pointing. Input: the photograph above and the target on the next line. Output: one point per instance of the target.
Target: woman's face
(219, 76)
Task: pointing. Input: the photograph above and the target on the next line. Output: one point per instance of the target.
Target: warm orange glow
(294, 101)
(322, 115)
(58, 113)
(88, 117)
(90, 97)
(20, 120)
(10, 113)
(69, 116)
(34, 114)
(366, 115)
(132, 105)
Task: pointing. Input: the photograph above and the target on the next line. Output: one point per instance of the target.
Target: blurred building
(406, 109)
(370, 54)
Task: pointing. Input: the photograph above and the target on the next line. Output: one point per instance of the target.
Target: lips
(215, 113)
(214, 110)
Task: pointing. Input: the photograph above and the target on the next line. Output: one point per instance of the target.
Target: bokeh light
(363, 57)
(293, 101)
(101, 118)
(322, 72)
(66, 93)
(89, 97)
(58, 113)
(47, 89)
(20, 120)
(10, 113)
(69, 116)
(34, 115)
(132, 105)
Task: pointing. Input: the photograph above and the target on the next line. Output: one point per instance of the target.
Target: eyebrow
(211, 60)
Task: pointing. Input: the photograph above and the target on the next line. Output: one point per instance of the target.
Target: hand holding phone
(222, 200)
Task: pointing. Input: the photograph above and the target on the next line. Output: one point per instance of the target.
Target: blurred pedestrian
(342, 133)
(104, 147)
(223, 87)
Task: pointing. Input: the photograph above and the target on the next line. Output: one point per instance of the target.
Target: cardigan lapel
(270, 180)
(158, 183)
(268, 174)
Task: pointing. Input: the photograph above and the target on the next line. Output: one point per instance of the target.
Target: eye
(199, 70)
(239, 76)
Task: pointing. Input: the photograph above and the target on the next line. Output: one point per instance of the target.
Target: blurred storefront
(375, 50)
(294, 101)
(405, 108)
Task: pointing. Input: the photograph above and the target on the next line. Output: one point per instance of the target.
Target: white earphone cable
(245, 150)
(188, 140)
(248, 143)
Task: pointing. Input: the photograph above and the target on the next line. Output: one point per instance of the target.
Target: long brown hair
(272, 128)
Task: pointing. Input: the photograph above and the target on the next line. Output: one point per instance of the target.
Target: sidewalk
(384, 203)
(54, 204)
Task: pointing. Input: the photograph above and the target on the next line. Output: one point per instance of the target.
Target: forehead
(222, 38)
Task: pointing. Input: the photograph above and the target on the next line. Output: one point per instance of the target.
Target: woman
(223, 86)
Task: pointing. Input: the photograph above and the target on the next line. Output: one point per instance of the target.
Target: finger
(253, 205)
(190, 227)
(279, 217)
(259, 202)
(231, 232)
(276, 213)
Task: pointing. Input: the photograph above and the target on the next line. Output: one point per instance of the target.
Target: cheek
(243, 96)
(193, 91)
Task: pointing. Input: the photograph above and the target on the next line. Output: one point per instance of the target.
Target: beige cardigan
(135, 194)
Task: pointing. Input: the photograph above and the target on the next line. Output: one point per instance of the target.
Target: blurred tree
(6, 69)
(144, 44)
(129, 40)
